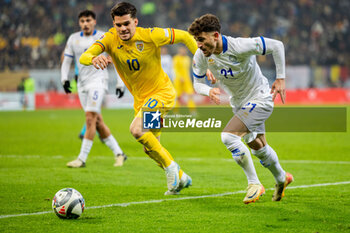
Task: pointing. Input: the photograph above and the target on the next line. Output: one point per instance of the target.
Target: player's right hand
(100, 62)
(67, 88)
(214, 95)
(211, 77)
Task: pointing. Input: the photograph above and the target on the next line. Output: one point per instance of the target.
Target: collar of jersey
(82, 33)
(224, 44)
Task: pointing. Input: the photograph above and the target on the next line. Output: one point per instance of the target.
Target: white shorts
(253, 114)
(91, 99)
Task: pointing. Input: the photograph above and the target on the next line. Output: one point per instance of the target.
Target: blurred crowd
(314, 32)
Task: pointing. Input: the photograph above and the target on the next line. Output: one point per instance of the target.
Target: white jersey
(236, 68)
(167, 65)
(89, 76)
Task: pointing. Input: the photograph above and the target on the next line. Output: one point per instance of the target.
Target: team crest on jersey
(211, 61)
(139, 45)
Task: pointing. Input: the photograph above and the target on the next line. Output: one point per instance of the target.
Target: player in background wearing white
(92, 87)
(167, 62)
(233, 62)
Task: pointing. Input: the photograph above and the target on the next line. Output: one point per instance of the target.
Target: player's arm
(164, 36)
(263, 46)
(276, 48)
(92, 57)
(66, 60)
(184, 37)
(200, 71)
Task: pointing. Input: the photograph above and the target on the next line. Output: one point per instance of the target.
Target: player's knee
(136, 131)
(99, 121)
(230, 140)
(91, 119)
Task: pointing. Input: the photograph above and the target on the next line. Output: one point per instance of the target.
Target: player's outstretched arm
(202, 88)
(277, 49)
(184, 37)
(92, 52)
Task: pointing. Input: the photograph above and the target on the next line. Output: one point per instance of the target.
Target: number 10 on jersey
(134, 64)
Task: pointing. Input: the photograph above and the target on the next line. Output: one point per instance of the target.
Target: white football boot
(185, 182)
(76, 163)
(172, 176)
(120, 159)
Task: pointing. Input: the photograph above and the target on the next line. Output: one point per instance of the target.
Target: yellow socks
(156, 151)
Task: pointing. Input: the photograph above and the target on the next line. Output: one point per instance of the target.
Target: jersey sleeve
(101, 45)
(68, 51)
(162, 36)
(105, 41)
(250, 46)
(199, 65)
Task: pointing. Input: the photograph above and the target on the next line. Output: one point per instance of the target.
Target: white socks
(241, 155)
(113, 145)
(268, 158)
(85, 149)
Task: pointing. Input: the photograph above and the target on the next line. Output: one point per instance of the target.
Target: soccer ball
(68, 203)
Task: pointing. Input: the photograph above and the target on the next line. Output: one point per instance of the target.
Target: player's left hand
(211, 77)
(279, 87)
(67, 88)
(119, 91)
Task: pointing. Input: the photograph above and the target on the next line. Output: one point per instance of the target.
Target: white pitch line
(179, 159)
(174, 199)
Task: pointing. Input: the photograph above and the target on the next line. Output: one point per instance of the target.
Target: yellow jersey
(182, 67)
(138, 59)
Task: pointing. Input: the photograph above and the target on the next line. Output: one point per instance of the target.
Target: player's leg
(91, 119)
(269, 159)
(91, 101)
(157, 152)
(185, 180)
(110, 141)
(82, 132)
(232, 138)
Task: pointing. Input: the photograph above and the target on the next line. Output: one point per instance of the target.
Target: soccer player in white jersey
(233, 62)
(167, 62)
(92, 87)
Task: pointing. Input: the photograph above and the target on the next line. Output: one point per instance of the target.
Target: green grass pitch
(35, 147)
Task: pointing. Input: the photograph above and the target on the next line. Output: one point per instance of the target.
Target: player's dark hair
(123, 8)
(205, 23)
(87, 13)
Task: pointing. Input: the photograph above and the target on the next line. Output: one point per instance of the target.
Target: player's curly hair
(123, 8)
(205, 23)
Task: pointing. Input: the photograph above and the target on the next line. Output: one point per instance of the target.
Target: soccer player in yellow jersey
(182, 82)
(135, 52)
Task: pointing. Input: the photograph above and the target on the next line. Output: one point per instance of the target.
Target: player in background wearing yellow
(182, 82)
(135, 52)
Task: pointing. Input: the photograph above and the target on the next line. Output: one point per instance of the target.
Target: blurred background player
(167, 62)
(182, 80)
(92, 87)
(135, 51)
(233, 62)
